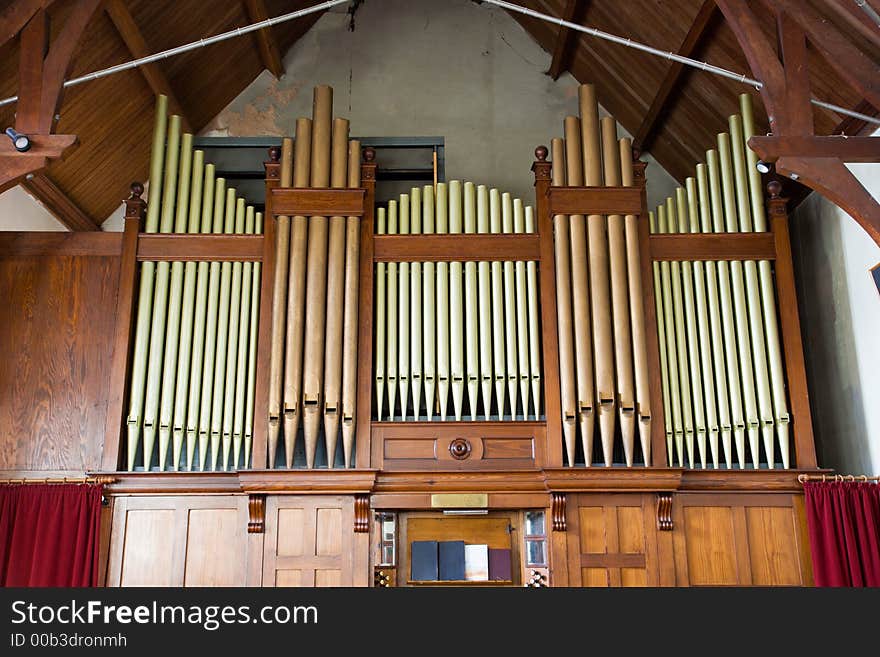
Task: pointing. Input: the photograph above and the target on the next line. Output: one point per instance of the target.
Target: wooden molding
(575, 10)
(664, 512)
(58, 203)
(323, 482)
(847, 149)
(267, 44)
(289, 202)
(456, 248)
(612, 479)
(557, 512)
(595, 200)
(137, 46)
(361, 514)
(256, 514)
(653, 118)
(39, 243)
(712, 246)
(181, 247)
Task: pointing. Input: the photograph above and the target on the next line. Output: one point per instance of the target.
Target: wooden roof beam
(564, 48)
(16, 15)
(655, 115)
(59, 204)
(137, 46)
(267, 44)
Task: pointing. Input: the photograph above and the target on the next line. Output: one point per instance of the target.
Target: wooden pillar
(365, 314)
(792, 344)
(135, 213)
(260, 445)
(659, 457)
(549, 332)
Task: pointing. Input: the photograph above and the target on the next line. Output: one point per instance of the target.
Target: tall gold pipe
(350, 322)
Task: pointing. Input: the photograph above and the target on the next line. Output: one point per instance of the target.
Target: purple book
(499, 564)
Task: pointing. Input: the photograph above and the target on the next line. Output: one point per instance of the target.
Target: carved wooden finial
(275, 153)
(541, 153)
(774, 188)
(369, 154)
(136, 190)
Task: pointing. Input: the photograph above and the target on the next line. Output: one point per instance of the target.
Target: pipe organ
(721, 356)
(581, 373)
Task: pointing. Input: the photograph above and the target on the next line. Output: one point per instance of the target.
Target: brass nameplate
(460, 501)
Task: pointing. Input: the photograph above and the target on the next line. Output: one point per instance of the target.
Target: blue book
(451, 560)
(423, 561)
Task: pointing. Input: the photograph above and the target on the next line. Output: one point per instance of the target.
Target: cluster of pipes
(469, 329)
(313, 363)
(193, 372)
(603, 364)
(720, 355)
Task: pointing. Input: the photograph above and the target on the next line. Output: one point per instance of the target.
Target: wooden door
(740, 540)
(611, 540)
(310, 541)
(178, 541)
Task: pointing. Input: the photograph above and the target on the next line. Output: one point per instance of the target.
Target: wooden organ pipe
(522, 327)
(350, 320)
(726, 329)
(499, 360)
(391, 321)
(403, 313)
(623, 349)
(702, 363)
(181, 382)
(316, 275)
(332, 396)
(597, 242)
(637, 311)
(416, 306)
(429, 298)
(768, 297)
(175, 301)
(196, 337)
(583, 341)
(135, 420)
(381, 324)
(533, 311)
(486, 319)
(160, 298)
(296, 296)
(562, 254)
(443, 305)
(279, 309)
(510, 339)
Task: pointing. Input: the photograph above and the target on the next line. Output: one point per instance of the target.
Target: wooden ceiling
(675, 112)
(113, 116)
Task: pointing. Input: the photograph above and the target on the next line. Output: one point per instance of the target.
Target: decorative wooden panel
(611, 540)
(310, 541)
(459, 446)
(179, 541)
(55, 350)
(739, 539)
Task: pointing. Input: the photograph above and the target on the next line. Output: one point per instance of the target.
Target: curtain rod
(687, 61)
(838, 478)
(99, 479)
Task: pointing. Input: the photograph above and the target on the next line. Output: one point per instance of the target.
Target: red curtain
(843, 519)
(49, 534)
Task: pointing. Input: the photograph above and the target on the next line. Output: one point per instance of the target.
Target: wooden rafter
(693, 39)
(58, 203)
(847, 149)
(564, 48)
(16, 15)
(134, 40)
(786, 96)
(42, 70)
(270, 53)
(857, 19)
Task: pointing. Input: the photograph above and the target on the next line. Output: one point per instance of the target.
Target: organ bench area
(467, 319)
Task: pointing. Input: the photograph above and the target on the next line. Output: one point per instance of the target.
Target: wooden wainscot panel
(179, 541)
(310, 541)
(460, 446)
(611, 540)
(739, 539)
(56, 341)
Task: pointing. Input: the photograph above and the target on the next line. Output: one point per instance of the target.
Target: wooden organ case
(520, 481)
